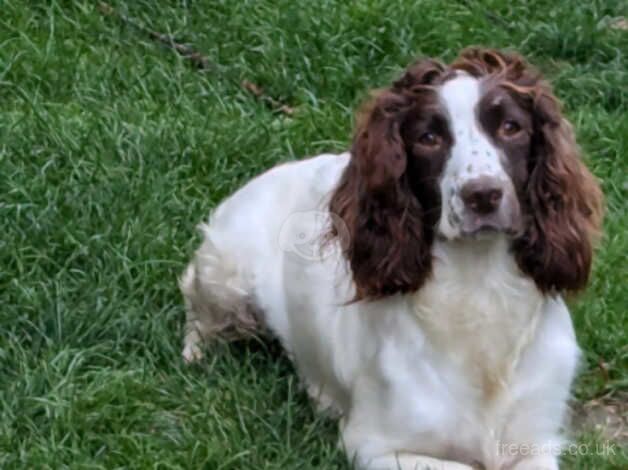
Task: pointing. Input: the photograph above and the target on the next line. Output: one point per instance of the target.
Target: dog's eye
(509, 128)
(430, 139)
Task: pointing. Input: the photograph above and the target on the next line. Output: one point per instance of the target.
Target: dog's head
(468, 150)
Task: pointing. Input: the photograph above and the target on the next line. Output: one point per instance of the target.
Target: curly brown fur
(388, 198)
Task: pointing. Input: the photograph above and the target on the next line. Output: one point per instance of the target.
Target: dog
(417, 280)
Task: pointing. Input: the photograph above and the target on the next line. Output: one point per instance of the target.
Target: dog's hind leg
(217, 300)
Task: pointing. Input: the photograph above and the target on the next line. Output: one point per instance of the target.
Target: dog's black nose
(482, 195)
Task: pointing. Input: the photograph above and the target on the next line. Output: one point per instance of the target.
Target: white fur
(472, 155)
(470, 368)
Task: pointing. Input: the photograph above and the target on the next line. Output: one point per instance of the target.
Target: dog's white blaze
(472, 154)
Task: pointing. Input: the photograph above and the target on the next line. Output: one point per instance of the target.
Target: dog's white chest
(479, 311)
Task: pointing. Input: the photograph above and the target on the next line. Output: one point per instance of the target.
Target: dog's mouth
(465, 223)
(483, 228)
(483, 231)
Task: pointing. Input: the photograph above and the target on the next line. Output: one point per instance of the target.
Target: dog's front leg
(538, 462)
(405, 461)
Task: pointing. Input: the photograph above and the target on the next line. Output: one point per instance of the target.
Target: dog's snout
(482, 195)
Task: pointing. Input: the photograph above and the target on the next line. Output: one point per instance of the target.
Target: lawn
(113, 147)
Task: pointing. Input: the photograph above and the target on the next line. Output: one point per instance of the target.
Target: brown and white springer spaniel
(417, 281)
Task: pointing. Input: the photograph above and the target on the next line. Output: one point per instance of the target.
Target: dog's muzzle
(489, 205)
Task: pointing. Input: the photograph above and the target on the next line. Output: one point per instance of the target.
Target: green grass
(112, 148)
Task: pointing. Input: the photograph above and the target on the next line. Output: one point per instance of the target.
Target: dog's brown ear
(386, 250)
(378, 151)
(564, 204)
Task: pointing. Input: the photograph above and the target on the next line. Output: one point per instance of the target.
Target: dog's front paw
(546, 462)
(192, 353)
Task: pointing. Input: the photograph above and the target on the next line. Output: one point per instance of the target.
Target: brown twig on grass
(258, 92)
(187, 52)
(197, 59)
